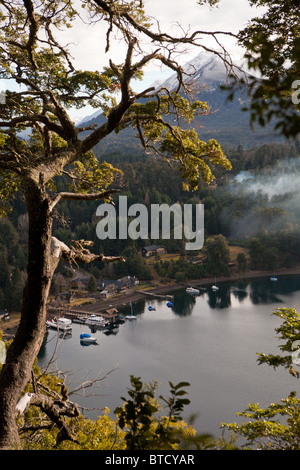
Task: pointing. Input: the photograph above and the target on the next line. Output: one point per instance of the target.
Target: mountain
(226, 123)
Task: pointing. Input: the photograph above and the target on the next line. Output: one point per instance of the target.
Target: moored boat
(132, 315)
(96, 320)
(61, 324)
(192, 290)
(87, 338)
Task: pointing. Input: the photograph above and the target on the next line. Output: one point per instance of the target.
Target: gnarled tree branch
(81, 196)
(78, 252)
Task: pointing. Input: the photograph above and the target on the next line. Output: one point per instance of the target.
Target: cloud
(87, 42)
(173, 16)
(272, 198)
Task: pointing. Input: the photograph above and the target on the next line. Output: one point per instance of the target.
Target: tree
(266, 429)
(33, 57)
(273, 53)
(218, 255)
(241, 262)
(92, 284)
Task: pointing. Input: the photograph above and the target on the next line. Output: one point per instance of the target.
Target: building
(153, 250)
(110, 286)
(128, 281)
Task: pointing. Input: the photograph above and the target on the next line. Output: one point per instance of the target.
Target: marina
(210, 340)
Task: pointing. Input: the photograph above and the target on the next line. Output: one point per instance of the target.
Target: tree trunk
(28, 339)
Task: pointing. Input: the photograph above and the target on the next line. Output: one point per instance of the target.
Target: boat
(192, 290)
(132, 316)
(87, 338)
(169, 304)
(215, 287)
(151, 308)
(61, 324)
(96, 320)
(273, 278)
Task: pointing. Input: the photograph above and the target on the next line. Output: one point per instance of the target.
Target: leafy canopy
(272, 45)
(50, 85)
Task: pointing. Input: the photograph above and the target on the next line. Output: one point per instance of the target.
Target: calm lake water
(210, 341)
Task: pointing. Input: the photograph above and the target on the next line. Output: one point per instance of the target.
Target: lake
(210, 341)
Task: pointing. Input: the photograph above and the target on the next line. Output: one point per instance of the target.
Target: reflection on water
(210, 340)
(183, 304)
(239, 294)
(256, 291)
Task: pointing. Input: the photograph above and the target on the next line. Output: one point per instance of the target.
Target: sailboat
(215, 287)
(273, 278)
(132, 316)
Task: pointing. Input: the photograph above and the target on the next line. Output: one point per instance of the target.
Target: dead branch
(78, 252)
(81, 196)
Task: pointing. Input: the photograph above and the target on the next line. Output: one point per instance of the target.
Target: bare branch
(78, 252)
(81, 196)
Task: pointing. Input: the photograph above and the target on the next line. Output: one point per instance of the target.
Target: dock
(80, 316)
(168, 297)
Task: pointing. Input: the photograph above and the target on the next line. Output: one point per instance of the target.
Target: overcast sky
(87, 43)
(230, 15)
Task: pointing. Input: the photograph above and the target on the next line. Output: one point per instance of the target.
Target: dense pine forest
(238, 213)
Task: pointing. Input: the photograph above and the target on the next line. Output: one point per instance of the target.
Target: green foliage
(218, 255)
(136, 427)
(175, 403)
(289, 332)
(209, 2)
(272, 49)
(12, 263)
(92, 285)
(136, 417)
(277, 426)
(273, 428)
(9, 185)
(91, 175)
(195, 157)
(241, 262)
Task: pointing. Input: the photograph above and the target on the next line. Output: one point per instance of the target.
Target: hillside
(227, 123)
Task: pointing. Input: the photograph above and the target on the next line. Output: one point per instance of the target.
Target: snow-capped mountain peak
(204, 69)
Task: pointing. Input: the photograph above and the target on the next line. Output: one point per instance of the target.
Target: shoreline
(123, 299)
(9, 329)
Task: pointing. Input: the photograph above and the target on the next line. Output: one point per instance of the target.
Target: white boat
(131, 316)
(86, 338)
(192, 290)
(215, 287)
(96, 320)
(62, 324)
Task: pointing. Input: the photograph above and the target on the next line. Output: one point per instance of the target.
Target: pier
(169, 297)
(79, 316)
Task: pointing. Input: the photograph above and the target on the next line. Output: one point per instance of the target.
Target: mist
(266, 200)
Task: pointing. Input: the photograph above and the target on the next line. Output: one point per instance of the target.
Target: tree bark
(29, 336)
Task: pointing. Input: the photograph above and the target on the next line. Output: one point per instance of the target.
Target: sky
(87, 42)
(231, 15)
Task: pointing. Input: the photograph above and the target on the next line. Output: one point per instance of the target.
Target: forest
(239, 211)
(67, 56)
